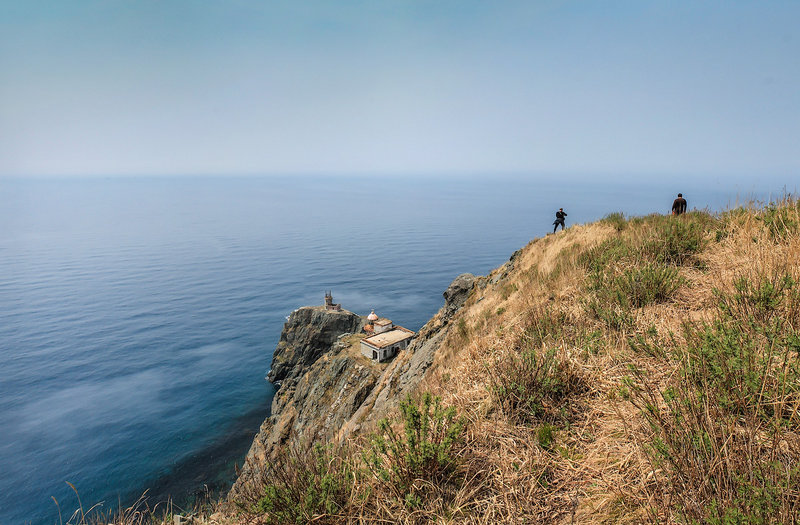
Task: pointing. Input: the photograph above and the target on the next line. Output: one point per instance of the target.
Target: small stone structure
(329, 305)
(384, 338)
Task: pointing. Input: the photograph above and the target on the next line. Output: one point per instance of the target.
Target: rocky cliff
(576, 368)
(308, 333)
(327, 389)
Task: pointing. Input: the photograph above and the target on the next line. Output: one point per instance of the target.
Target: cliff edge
(327, 390)
(627, 371)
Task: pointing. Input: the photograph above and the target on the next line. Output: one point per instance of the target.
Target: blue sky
(393, 87)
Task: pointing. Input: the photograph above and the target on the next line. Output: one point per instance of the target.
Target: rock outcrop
(309, 332)
(457, 293)
(320, 385)
(327, 390)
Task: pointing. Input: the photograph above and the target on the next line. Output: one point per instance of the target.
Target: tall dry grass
(636, 370)
(140, 512)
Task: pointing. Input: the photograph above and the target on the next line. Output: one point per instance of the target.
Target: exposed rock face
(321, 385)
(457, 292)
(309, 332)
(328, 390)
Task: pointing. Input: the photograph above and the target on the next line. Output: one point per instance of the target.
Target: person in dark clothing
(560, 214)
(679, 205)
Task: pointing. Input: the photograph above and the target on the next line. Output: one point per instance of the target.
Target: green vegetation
(531, 385)
(616, 220)
(636, 287)
(781, 218)
(426, 452)
(545, 436)
(313, 485)
(641, 266)
(677, 241)
(719, 428)
(390, 468)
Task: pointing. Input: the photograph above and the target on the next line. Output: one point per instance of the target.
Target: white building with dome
(384, 338)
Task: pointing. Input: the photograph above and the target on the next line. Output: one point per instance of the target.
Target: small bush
(747, 374)
(599, 258)
(781, 218)
(613, 315)
(761, 299)
(635, 287)
(309, 485)
(649, 343)
(616, 220)
(591, 341)
(711, 463)
(532, 385)
(426, 451)
(676, 242)
(650, 284)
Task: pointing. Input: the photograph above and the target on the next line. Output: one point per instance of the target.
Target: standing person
(560, 214)
(679, 205)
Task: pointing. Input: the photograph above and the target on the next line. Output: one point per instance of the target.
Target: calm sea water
(138, 316)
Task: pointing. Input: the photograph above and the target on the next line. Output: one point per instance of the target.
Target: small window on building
(374, 354)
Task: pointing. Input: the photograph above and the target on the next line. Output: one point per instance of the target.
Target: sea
(138, 315)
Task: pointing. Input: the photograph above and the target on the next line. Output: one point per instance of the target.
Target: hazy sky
(246, 86)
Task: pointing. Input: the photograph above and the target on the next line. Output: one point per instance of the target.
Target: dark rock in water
(458, 291)
(309, 332)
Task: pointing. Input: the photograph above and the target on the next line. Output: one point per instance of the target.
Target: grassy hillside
(627, 371)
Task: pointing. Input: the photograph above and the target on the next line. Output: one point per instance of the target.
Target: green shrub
(310, 485)
(651, 284)
(612, 314)
(545, 436)
(635, 287)
(533, 385)
(762, 299)
(710, 464)
(649, 343)
(427, 449)
(591, 341)
(599, 258)
(781, 218)
(616, 220)
(676, 242)
(747, 373)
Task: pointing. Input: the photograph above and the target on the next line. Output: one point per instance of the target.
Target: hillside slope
(627, 371)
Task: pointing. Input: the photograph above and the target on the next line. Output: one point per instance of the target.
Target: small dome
(372, 316)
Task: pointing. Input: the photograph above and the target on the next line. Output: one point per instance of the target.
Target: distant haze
(95, 87)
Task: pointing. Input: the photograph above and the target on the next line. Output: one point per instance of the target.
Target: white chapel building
(386, 339)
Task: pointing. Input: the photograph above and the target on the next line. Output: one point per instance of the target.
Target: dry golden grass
(600, 473)
(597, 469)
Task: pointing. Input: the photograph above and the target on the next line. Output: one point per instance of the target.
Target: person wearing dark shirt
(560, 214)
(679, 205)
